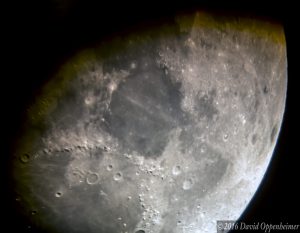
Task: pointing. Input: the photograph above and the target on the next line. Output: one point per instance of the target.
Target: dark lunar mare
(144, 109)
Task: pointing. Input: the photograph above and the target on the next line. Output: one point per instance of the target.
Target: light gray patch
(251, 103)
(186, 138)
(169, 223)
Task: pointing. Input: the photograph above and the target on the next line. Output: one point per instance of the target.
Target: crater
(24, 158)
(140, 231)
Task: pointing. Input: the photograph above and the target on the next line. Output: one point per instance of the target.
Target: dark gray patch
(65, 116)
(206, 44)
(215, 171)
(76, 209)
(144, 109)
(25, 158)
(265, 89)
(273, 133)
(254, 139)
(138, 51)
(211, 169)
(256, 104)
(253, 109)
(97, 154)
(213, 166)
(140, 231)
(205, 105)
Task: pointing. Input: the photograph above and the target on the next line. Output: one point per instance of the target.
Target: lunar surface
(163, 130)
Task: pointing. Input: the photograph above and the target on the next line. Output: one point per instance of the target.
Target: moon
(163, 130)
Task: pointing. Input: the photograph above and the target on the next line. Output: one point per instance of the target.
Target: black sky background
(41, 35)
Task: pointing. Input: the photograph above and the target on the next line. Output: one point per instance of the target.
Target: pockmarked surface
(166, 130)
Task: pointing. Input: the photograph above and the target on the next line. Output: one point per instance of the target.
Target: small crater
(109, 167)
(203, 149)
(225, 137)
(265, 90)
(78, 175)
(89, 100)
(33, 212)
(67, 149)
(273, 133)
(140, 231)
(176, 170)
(92, 178)
(118, 176)
(46, 151)
(58, 194)
(25, 158)
(187, 184)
